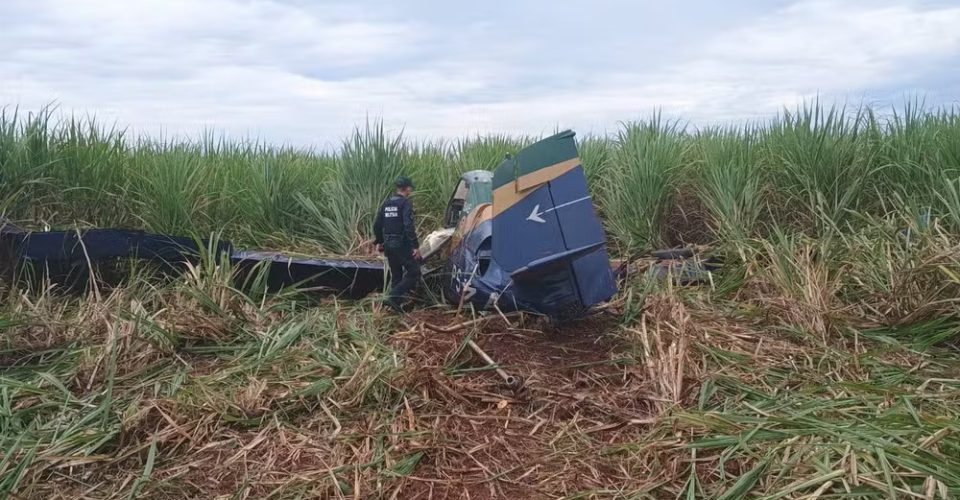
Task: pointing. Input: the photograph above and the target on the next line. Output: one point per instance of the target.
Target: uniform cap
(404, 182)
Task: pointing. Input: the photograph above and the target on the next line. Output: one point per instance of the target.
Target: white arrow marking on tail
(535, 215)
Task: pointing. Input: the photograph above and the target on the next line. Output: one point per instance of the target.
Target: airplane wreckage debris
(66, 257)
(551, 259)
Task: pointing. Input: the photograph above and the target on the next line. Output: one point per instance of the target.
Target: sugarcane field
(693, 300)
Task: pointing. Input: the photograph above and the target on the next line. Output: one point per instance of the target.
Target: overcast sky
(305, 72)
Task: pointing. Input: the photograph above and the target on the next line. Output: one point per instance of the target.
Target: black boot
(394, 305)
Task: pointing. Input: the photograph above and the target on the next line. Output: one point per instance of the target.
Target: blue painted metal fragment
(66, 256)
(546, 233)
(355, 278)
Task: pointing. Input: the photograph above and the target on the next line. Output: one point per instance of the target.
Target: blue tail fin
(546, 233)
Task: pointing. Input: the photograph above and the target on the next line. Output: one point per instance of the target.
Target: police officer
(397, 238)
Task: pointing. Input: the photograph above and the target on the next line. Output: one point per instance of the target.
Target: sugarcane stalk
(510, 380)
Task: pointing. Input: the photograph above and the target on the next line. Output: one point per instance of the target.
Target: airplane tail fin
(546, 233)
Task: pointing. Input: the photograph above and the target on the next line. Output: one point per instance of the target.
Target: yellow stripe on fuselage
(511, 193)
(479, 214)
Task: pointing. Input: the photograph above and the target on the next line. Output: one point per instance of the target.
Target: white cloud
(834, 45)
(306, 75)
(186, 33)
(836, 49)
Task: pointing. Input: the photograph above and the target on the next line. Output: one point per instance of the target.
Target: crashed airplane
(523, 237)
(526, 235)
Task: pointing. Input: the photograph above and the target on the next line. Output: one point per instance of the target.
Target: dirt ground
(557, 433)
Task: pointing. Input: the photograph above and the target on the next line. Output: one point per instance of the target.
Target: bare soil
(553, 436)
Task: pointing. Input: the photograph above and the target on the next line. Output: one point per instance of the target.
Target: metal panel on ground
(67, 256)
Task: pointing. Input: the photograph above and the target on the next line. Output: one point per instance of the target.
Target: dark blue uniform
(394, 229)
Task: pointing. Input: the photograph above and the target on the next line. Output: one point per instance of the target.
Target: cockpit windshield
(480, 183)
(475, 188)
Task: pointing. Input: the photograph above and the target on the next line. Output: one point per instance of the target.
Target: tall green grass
(732, 180)
(821, 163)
(647, 161)
(813, 169)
